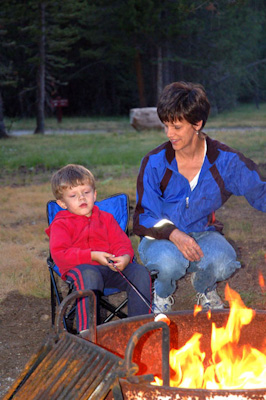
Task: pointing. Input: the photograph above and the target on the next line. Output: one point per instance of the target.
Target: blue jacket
(163, 193)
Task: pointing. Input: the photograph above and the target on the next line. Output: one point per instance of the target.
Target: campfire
(231, 365)
(219, 355)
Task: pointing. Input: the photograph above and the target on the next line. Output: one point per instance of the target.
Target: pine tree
(46, 31)
(7, 72)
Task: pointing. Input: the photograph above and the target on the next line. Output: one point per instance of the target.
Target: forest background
(108, 57)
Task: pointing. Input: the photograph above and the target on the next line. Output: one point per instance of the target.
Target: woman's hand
(187, 245)
(120, 262)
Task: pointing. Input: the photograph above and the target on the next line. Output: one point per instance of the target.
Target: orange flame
(262, 282)
(197, 309)
(231, 366)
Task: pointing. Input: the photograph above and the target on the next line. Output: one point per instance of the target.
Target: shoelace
(171, 300)
(201, 296)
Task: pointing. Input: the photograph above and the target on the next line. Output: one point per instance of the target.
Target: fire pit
(148, 354)
(232, 347)
(144, 345)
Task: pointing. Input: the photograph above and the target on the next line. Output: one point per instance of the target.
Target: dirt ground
(25, 321)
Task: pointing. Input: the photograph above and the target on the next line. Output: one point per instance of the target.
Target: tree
(108, 57)
(3, 133)
(41, 73)
(213, 48)
(45, 34)
(7, 75)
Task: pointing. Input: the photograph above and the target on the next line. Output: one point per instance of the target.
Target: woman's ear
(198, 125)
(61, 204)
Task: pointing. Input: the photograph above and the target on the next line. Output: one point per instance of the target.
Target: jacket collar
(67, 214)
(212, 150)
(169, 152)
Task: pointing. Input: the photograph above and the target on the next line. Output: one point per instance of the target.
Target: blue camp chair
(118, 206)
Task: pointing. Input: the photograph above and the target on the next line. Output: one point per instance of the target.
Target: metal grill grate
(72, 369)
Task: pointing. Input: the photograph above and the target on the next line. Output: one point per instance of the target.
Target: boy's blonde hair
(70, 176)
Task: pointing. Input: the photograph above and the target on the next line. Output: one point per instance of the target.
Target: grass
(53, 151)
(71, 123)
(245, 115)
(23, 248)
(113, 143)
(114, 154)
(110, 154)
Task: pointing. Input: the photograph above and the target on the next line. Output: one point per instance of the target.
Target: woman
(180, 185)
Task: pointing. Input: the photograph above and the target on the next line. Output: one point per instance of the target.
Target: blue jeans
(98, 277)
(219, 262)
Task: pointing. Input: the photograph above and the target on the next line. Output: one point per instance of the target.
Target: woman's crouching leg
(165, 258)
(218, 264)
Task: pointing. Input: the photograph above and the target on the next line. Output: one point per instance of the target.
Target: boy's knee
(92, 278)
(139, 273)
(89, 274)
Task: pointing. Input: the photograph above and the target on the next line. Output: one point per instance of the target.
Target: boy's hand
(101, 257)
(120, 262)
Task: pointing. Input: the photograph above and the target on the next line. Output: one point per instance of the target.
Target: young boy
(84, 239)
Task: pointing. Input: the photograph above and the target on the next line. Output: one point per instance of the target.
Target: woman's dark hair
(183, 100)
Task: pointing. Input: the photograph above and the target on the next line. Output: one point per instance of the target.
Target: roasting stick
(158, 317)
(131, 284)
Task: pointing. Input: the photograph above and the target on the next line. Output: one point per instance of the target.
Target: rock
(44, 317)
(145, 118)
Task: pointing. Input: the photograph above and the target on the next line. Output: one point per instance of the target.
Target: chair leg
(68, 319)
(115, 311)
(55, 296)
(53, 304)
(70, 315)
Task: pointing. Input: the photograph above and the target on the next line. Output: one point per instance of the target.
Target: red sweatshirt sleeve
(64, 253)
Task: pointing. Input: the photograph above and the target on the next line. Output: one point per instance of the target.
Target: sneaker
(162, 304)
(210, 301)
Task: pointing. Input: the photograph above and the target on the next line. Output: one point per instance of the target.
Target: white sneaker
(210, 300)
(162, 304)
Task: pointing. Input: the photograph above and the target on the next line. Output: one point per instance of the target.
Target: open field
(245, 115)
(26, 165)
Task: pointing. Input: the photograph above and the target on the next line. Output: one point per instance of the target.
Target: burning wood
(231, 365)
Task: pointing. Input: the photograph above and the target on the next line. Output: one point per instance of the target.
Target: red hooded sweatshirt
(73, 237)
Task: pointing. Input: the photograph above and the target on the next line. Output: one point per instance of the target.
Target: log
(145, 118)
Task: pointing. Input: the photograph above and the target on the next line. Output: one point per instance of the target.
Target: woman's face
(181, 133)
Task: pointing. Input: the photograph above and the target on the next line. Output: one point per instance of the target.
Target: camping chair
(118, 206)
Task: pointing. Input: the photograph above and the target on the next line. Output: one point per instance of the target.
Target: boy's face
(78, 200)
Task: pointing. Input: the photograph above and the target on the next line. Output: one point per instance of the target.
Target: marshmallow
(163, 318)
